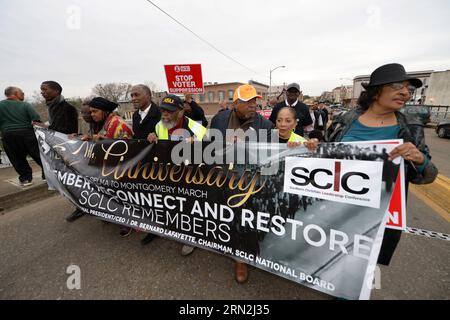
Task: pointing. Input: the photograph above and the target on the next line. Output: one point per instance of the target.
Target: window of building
(230, 95)
(211, 96)
(202, 97)
(221, 96)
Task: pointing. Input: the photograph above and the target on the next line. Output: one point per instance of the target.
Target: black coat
(197, 113)
(318, 114)
(411, 130)
(324, 113)
(64, 117)
(142, 129)
(303, 116)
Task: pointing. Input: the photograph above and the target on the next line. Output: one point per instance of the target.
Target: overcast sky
(323, 44)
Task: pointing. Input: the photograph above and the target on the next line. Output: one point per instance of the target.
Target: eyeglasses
(400, 85)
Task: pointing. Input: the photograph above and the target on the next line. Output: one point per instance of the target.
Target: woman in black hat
(378, 117)
(110, 126)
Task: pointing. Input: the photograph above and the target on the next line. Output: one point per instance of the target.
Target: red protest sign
(396, 210)
(397, 207)
(184, 78)
(265, 113)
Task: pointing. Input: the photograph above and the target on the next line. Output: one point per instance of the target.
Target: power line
(203, 40)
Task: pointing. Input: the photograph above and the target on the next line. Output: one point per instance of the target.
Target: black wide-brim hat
(390, 73)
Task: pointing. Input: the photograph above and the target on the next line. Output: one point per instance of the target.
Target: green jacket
(16, 115)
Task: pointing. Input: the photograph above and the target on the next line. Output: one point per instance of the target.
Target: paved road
(38, 245)
(42, 245)
(440, 151)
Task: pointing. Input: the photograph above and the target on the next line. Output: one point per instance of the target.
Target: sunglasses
(400, 85)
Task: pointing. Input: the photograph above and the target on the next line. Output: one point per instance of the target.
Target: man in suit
(303, 116)
(147, 113)
(145, 118)
(324, 111)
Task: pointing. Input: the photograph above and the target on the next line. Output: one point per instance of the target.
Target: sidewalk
(13, 195)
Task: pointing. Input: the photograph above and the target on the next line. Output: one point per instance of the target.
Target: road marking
(436, 195)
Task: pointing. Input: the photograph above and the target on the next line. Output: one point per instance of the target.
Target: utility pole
(270, 78)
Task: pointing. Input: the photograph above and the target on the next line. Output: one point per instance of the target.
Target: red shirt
(179, 125)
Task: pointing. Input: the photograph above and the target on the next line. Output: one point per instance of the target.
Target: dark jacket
(303, 116)
(318, 114)
(221, 120)
(142, 129)
(411, 130)
(197, 113)
(324, 113)
(64, 117)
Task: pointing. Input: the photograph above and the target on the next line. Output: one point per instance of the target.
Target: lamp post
(270, 77)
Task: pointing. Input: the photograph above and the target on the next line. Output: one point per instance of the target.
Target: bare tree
(76, 102)
(153, 86)
(38, 103)
(112, 91)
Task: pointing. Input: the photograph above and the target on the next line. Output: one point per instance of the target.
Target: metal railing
(439, 113)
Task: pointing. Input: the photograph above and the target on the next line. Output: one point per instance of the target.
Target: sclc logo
(316, 179)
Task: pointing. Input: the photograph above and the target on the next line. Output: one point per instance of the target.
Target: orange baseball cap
(245, 93)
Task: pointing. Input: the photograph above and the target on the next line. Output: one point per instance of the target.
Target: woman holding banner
(285, 123)
(378, 117)
(111, 127)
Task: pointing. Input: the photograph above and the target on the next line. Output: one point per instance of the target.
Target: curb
(26, 196)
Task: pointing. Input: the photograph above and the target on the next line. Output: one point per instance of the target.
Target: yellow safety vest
(296, 138)
(198, 130)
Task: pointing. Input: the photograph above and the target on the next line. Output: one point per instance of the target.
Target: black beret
(103, 104)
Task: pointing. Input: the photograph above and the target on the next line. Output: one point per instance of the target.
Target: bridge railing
(439, 113)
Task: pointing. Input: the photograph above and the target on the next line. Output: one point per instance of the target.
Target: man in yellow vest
(174, 125)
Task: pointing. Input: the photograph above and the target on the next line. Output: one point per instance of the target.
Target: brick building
(216, 93)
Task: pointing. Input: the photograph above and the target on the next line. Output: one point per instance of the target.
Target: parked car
(443, 129)
(419, 111)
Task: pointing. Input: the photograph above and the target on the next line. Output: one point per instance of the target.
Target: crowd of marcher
(376, 118)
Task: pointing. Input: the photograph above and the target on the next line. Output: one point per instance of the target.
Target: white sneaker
(186, 250)
(26, 183)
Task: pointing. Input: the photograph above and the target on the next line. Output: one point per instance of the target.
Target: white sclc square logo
(349, 181)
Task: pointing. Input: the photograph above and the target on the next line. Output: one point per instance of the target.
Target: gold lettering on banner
(217, 181)
(250, 189)
(173, 172)
(191, 175)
